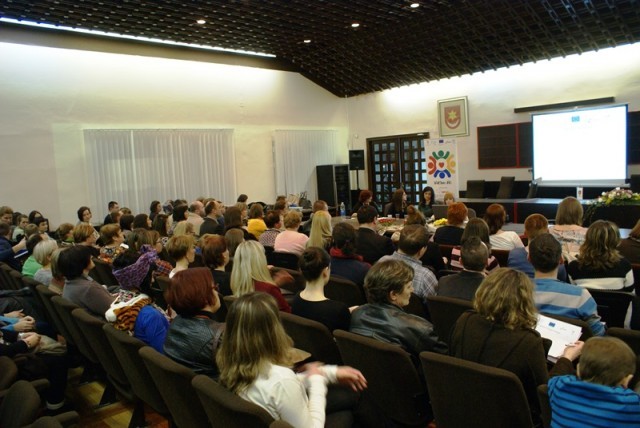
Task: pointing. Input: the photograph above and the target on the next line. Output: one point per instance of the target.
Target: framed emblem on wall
(453, 118)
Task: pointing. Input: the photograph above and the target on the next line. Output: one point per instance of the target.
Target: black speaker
(356, 159)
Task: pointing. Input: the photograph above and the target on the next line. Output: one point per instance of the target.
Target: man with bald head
(195, 214)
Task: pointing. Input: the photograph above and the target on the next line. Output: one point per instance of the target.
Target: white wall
(492, 96)
(48, 95)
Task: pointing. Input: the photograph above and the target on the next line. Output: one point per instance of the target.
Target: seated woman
(112, 238)
(321, 231)
(500, 333)
(475, 227)
(427, 199)
(142, 221)
(194, 336)
(42, 253)
(599, 265)
(364, 199)
(250, 273)
(256, 225)
(161, 225)
(630, 246)
(311, 302)
(126, 220)
(141, 237)
(84, 215)
(64, 234)
(254, 362)
(233, 238)
(133, 310)
(154, 209)
(233, 219)
(290, 240)
(568, 228)
(182, 249)
(84, 234)
(215, 256)
(448, 198)
(21, 221)
(389, 285)
(398, 205)
(56, 284)
(31, 265)
(451, 233)
(75, 263)
(495, 216)
(345, 263)
(184, 228)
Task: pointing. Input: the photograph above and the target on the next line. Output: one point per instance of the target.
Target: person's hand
(25, 324)
(573, 350)
(14, 314)
(31, 339)
(349, 376)
(20, 245)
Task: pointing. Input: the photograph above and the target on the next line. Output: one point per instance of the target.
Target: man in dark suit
(370, 245)
(473, 255)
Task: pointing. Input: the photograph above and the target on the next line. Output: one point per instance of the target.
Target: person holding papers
(554, 297)
(500, 333)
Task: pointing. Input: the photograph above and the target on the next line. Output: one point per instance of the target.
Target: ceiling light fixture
(201, 21)
(355, 24)
(414, 5)
(144, 39)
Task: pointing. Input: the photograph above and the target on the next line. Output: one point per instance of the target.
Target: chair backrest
(506, 188)
(8, 372)
(417, 307)
(6, 280)
(586, 329)
(91, 327)
(313, 337)
(45, 297)
(446, 250)
(612, 305)
(475, 189)
(345, 291)
(444, 312)
(298, 281)
(502, 256)
(533, 190)
(285, 260)
(636, 277)
(64, 308)
(20, 406)
(126, 349)
(174, 383)
(545, 406)
(495, 396)
(104, 272)
(226, 409)
(630, 337)
(158, 289)
(440, 210)
(16, 277)
(402, 397)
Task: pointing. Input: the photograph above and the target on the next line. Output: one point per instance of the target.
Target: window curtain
(296, 155)
(135, 167)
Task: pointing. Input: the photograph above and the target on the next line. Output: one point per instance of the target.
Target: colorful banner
(442, 166)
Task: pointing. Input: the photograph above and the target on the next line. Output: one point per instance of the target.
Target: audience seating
(126, 348)
(226, 409)
(21, 406)
(502, 256)
(586, 329)
(157, 290)
(313, 337)
(174, 383)
(16, 277)
(8, 372)
(545, 406)
(636, 277)
(45, 297)
(475, 189)
(446, 250)
(417, 307)
(393, 384)
(8, 281)
(464, 391)
(284, 260)
(612, 305)
(298, 281)
(344, 291)
(104, 272)
(505, 190)
(444, 312)
(630, 337)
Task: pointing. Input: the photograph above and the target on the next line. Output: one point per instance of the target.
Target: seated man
(473, 256)
(411, 248)
(369, 244)
(554, 297)
(7, 249)
(388, 286)
(599, 395)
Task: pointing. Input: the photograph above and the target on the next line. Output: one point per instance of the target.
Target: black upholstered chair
(345, 291)
(545, 406)
(104, 273)
(505, 190)
(284, 260)
(401, 396)
(444, 312)
(464, 391)
(226, 409)
(8, 372)
(173, 380)
(313, 337)
(475, 189)
(45, 296)
(612, 305)
(630, 337)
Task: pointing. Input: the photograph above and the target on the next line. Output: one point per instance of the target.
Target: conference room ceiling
(395, 44)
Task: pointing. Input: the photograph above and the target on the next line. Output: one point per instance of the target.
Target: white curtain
(296, 155)
(135, 167)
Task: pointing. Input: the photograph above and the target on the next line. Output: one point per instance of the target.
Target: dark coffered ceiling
(395, 44)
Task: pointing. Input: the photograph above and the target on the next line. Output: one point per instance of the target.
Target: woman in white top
(495, 216)
(254, 361)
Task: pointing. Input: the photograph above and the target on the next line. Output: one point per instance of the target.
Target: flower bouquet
(616, 196)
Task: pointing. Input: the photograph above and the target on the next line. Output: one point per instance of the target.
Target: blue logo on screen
(575, 118)
(552, 324)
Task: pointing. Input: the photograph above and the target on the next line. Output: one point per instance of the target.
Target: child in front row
(599, 395)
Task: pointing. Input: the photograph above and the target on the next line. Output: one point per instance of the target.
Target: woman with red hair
(451, 234)
(365, 199)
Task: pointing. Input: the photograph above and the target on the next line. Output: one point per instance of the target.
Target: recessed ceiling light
(355, 24)
(201, 21)
(414, 5)
(307, 40)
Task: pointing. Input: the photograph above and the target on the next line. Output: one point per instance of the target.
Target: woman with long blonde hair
(321, 231)
(251, 273)
(500, 333)
(254, 361)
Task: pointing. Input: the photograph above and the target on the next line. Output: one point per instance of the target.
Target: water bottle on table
(343, 210)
